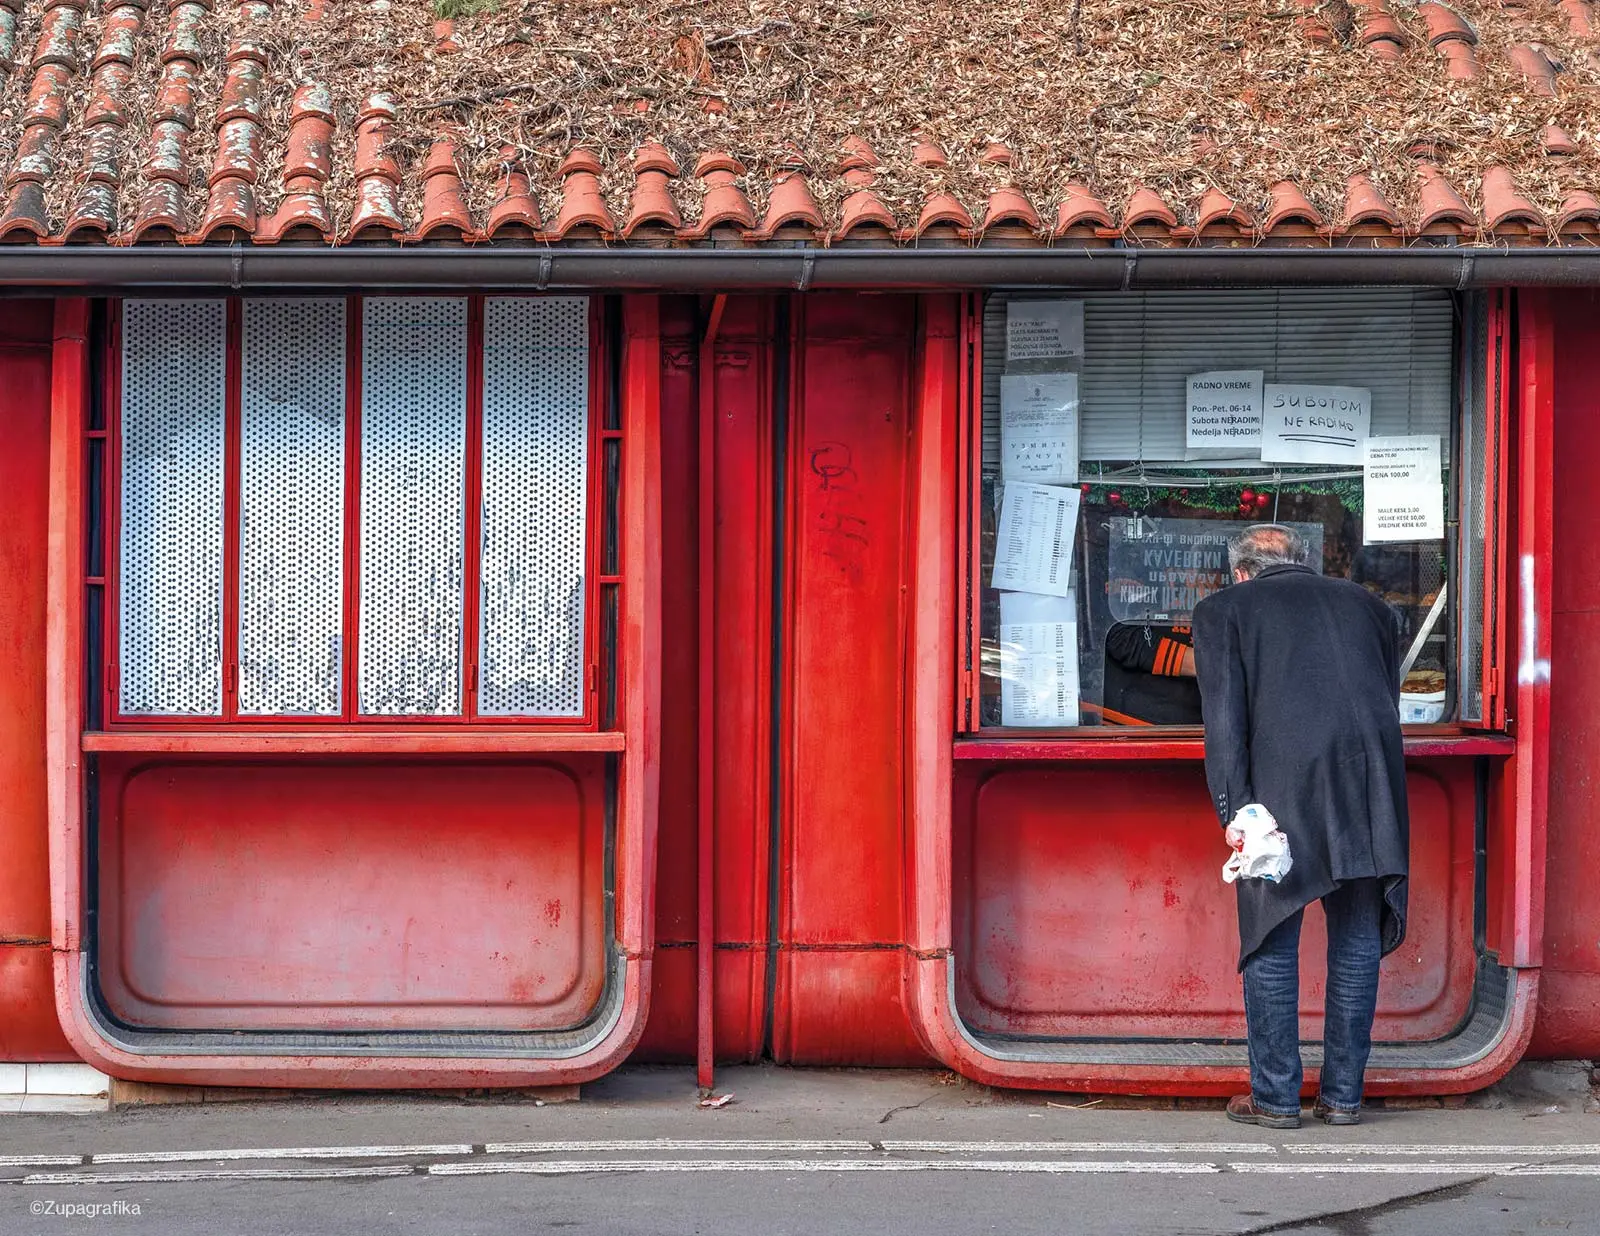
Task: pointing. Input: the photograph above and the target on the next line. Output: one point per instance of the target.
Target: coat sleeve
(1225, 707)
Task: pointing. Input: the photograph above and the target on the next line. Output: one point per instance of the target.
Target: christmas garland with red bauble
(1244, 500)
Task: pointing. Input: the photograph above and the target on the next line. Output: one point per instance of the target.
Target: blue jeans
(1272, 1002)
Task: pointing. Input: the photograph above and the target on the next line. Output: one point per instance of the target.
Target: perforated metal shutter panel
(413, 505)
(174, 390)
(535, 501)
(291, 506)
(1141, 348)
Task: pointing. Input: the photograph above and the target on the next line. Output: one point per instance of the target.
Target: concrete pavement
(802, 1152)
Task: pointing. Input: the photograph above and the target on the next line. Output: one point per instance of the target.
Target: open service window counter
(1096, 453)
(353, 758)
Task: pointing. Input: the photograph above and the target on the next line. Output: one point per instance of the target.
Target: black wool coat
(1299, 684)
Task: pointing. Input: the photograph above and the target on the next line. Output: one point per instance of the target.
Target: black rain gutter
(157, 269)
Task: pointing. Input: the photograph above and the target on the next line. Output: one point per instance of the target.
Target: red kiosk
(449, 638)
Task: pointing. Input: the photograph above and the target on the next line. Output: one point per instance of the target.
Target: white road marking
(1515, 1152)
(278, 1152)
(181, 1175)
(559, 1167)
(1458, 1168)
(1558, 1169)
(672, 1144)
(1082, 1147)
(40, 1160)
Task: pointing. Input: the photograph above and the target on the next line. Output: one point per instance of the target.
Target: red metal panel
(1569, 999)
(377, 896)
(670, 1032)
(742, 728)
(843, 842)
(1528, 778)
(639, 657)
(935, 853)
(28, 1027)
(1089, 903)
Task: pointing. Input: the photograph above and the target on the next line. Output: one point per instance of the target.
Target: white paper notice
(1224, 413)
(1404, 489)
(1315, 424)
(1039, 428)
(1033, 550)
(1043, 330)
(1039, 673)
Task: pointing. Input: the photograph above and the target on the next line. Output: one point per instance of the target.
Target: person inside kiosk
(1126, 438)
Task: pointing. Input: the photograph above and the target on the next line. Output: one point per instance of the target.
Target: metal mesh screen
(413, 505)
(535, 502)
(174, 379)
(291, 516)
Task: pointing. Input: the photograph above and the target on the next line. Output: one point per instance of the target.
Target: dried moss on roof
(1177, 95)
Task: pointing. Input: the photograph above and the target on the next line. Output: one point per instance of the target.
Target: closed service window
(346, 509)
(1125, 438)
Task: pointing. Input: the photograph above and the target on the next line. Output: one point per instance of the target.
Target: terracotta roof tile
(1580, 14)
(1502, 204)
(943, 210)
(1007, 205)
(1578, 207)
(1441, 206)
(1218, 209)
(513, 205)
(1533, 64)
(1146, 206)
(652, 203)
(1081, 211)
(1451, 36)
(724, 203)
(582, 203)
(1364, 204)
(1382, 35)
(791, 204)
(1290, 208)
(218, 152)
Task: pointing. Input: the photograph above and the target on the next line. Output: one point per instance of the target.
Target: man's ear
(1240, 575)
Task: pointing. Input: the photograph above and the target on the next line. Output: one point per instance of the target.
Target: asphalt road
(796, 1152)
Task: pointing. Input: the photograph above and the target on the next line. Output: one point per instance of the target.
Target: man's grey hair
(1262, 545)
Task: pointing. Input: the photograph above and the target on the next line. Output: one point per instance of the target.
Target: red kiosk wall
(736, 367)
(838, 997)
(28, 1026)
(1569, 996)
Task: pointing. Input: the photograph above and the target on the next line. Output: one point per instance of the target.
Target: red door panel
(28, 1026)
(353, 896)
(1089, 903)
(838, 987)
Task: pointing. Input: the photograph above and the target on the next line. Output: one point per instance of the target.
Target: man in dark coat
(1299, 683)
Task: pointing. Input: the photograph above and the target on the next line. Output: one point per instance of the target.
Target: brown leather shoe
(1242, 1107)
(1329, 1114)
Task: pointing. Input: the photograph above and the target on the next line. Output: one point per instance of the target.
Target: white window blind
(1140, 349)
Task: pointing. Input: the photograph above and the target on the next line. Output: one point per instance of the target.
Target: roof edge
(174, 270)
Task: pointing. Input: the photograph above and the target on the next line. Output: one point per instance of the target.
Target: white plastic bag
(1265, 855)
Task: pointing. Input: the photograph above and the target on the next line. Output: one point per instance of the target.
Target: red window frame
(969, 567)
(595, 584)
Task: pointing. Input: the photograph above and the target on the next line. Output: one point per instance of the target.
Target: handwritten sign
(1033, 548)
(1161, 568)
(1403, 489)
(1224, 416)
(1044, 330)
(1315, 424)
(1039, 428)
